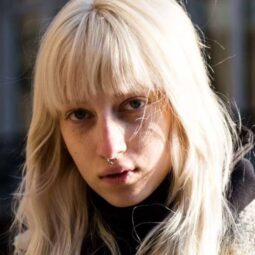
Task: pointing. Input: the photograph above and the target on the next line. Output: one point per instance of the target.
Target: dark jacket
(130, 225)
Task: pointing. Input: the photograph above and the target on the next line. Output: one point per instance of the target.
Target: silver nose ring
(111, 161)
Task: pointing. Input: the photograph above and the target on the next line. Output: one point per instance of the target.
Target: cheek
(81, 158)
(73, 150)
(155, 130)
(76, 148)
(152, 142)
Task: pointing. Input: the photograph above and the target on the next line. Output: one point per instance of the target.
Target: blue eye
(133, 104)
(79, 114)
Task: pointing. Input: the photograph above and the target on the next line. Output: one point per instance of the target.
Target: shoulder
(242, 188)
(244, 231)
(242, 199)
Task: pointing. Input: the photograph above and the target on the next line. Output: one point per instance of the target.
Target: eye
(133, 104)
(79, 115)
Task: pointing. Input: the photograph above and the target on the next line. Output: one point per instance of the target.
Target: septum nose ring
(111, 161)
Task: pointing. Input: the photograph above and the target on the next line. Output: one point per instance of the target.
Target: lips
(117, 176)
(115, 172)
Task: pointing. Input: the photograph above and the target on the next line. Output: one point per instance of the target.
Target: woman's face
(134, 129)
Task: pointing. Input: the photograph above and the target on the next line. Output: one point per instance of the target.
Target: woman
(129, 150)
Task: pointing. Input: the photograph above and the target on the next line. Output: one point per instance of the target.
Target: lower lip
(117, 179)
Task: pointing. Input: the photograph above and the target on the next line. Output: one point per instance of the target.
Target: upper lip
(115, 170)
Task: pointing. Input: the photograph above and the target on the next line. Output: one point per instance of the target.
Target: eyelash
(71, 114)
(143, 101)
(124, 107)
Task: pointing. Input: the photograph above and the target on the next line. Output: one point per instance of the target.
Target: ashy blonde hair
(119, 46)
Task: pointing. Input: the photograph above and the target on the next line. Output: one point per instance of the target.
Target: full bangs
(98, 54)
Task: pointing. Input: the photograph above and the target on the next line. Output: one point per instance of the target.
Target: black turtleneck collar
(130, 225)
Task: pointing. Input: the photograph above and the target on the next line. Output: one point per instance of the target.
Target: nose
(111, 137)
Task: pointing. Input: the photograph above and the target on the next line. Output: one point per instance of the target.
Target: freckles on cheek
(79, 152)
(156, 133)
(149, 143)
(71, 147)
(77, 159)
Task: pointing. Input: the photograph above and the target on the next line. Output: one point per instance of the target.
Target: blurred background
(226, 26)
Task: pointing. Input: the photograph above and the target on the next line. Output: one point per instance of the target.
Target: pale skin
(132, 128)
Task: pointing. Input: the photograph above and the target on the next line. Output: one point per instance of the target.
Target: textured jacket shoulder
(244, 233)
(242, 198)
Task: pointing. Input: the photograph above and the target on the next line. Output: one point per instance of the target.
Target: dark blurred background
(228, 28)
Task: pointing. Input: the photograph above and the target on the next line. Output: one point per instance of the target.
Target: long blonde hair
(108, 45)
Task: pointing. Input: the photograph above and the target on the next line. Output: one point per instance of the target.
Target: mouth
(118, 177)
